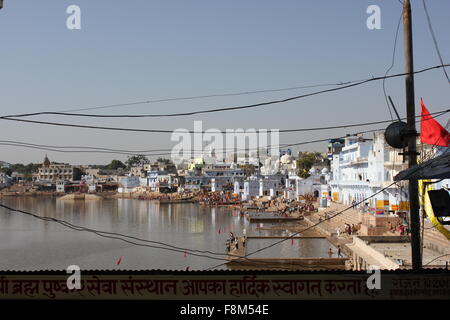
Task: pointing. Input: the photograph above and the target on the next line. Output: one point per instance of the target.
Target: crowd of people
(218, 198)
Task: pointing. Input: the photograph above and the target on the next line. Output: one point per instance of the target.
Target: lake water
(27, 243)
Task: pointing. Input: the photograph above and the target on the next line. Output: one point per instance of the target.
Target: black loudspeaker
(440, 201)
(394, 135)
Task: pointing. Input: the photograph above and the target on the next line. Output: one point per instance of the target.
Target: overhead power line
(436, 46)
(392, 63)
(61, 149)
(163, 152)
(59, 124)
(190, 113)
(215, 95)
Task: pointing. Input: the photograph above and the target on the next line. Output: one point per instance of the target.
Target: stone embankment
(80, 196)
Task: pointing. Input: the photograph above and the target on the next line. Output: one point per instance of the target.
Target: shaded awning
(436, 168)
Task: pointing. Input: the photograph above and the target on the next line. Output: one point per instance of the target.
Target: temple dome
(286, 159)
(46, 161)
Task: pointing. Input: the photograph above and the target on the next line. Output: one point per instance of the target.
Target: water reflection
(27, 243)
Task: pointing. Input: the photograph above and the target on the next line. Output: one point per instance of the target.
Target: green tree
(26, 170)
(116, 164)
(7, 171)
(163, 160)
(137, 161)
(305, 162)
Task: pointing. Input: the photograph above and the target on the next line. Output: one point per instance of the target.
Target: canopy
(436, 168)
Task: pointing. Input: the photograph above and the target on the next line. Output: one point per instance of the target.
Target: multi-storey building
(364, 167)
(55, 172)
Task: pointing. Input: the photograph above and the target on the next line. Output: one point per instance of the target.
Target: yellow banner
(425, 202)
(380, 204)
(404, 206)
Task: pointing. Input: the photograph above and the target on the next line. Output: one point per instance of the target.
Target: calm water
(307, 247)
(27, 243)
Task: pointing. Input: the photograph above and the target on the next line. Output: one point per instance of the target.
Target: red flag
(431, 132)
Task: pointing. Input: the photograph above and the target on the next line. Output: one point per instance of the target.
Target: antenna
(393, 106)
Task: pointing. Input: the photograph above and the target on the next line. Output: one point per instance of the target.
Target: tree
(163, 160)
(116, 164)
(7, 171)
(305, 162)
(137, 161)
(26, 170)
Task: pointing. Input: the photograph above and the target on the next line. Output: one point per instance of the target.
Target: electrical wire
(165, 152)
(216, 95)
(255, 105)
(192, 132)
(441, 256)
(436, 46)
(392, 64)
(43, 147)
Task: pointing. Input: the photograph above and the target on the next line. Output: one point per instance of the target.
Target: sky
(139, 50)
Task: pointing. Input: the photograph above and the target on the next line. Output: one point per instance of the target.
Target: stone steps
(435, 240)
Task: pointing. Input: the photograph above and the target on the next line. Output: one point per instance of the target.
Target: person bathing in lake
(330, 252)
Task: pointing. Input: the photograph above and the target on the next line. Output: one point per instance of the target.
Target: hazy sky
(143, 49)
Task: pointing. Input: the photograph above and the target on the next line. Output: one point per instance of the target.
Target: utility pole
(416, 252)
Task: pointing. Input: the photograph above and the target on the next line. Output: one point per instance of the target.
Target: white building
(160, 181)
(54, 172)
(129, 184)
(251, 188)
(260, 186)
(316, 184)
(5, 181)
(364, 167)
(218, 176)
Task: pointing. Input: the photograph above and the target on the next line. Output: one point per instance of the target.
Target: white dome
(325, 170)
(286, 159)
